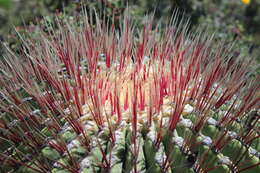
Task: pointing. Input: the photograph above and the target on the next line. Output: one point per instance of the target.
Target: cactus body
(95, 98)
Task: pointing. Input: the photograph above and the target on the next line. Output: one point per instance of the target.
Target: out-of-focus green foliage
(226, 16)
(21, 15)
(5, 4)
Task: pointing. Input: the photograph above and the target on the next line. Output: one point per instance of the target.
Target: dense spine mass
(87, 96)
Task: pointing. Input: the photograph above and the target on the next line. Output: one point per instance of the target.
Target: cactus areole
(87, 96)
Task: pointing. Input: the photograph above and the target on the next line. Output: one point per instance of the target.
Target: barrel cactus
(88, 96)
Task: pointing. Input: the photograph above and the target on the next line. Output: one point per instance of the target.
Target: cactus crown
(87, 96)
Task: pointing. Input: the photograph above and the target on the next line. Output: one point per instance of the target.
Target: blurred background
(230, 19)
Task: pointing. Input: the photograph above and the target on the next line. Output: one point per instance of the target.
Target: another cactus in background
(88, 97)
